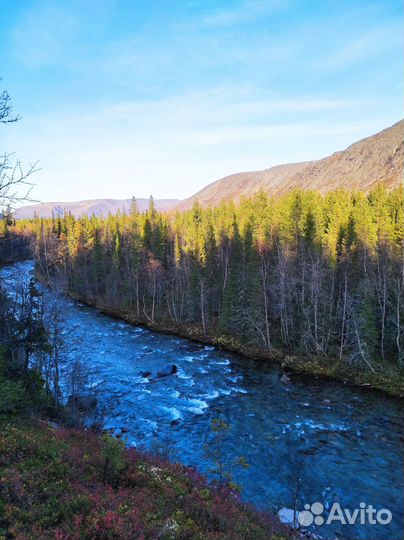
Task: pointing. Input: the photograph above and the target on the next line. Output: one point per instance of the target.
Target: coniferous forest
(321, 276)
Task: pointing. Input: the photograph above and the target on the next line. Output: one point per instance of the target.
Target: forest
(316, 275)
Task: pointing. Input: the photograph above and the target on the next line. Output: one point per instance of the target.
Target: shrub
(13, 397)
(114, 459)
(68, 484)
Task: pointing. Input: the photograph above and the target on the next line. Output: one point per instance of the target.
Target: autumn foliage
(54, 485)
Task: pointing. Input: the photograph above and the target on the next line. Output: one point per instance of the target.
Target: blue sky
(122, 98)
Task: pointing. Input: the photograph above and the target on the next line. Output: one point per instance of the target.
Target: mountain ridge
(376, 158)
(98, 207)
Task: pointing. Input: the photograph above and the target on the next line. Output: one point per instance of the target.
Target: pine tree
(310, 229)
(98, 261)
(234, 292)
(133, 211)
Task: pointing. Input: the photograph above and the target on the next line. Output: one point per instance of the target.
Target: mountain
(378, 158)
(98, 207)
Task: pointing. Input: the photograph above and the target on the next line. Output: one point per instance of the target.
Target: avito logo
(365, 514)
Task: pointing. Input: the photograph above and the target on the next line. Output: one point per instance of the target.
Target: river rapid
(345, 442)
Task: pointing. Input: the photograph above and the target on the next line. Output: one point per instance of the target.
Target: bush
(114, 460)
(13, 397)
(20, 390)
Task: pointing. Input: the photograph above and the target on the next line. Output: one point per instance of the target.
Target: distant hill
(378, 158)
(98, 207)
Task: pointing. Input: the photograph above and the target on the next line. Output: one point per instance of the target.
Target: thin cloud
(244, 12)
(135, 147)
(364, 47)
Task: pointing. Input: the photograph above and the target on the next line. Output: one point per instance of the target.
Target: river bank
(350, 436)
(67, 483)
(308, 365)
(391, 383)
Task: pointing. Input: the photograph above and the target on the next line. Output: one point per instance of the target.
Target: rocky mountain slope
(378, 158)
(98, 207)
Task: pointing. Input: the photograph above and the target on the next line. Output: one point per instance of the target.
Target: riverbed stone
(169, 370)
(288, 516)
(285, 379)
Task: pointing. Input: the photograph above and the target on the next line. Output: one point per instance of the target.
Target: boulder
(169, 370)
(289, 517)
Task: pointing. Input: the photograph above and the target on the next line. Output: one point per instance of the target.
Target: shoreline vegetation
(314, 282)
(306, 365)
(310, 366)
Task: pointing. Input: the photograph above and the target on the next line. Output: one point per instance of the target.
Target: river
(347, 442)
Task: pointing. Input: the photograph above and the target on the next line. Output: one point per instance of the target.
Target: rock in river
(169, 370)
(285, 379)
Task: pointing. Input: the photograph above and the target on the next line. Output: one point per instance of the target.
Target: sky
(131, 97)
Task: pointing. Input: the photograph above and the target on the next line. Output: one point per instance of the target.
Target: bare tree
(58, 349)
(6, 109)
(15, 185)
